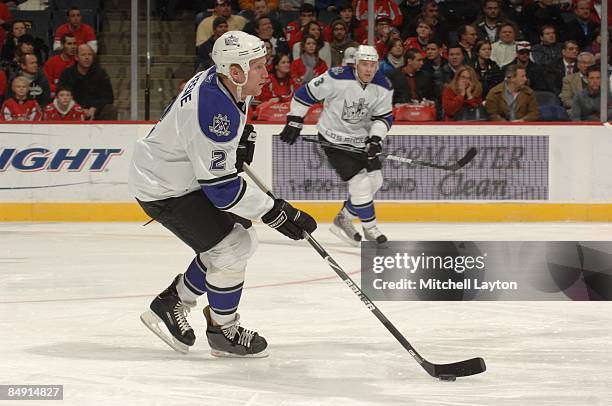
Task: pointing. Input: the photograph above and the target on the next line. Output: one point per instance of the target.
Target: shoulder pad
(381, 80)
(341, 72)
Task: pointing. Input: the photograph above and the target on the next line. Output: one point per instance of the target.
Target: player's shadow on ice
(312, 369)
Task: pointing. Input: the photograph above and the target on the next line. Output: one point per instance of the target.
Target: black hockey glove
(288, 220)
(373, 146)
(246, 147)
(292, 129)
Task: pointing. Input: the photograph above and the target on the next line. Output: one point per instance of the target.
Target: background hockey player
(185, 175)
(357, 111)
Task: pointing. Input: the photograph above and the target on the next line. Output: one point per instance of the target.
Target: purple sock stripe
(195, 277)
(364, 211)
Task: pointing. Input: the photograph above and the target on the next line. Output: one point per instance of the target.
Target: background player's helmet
(366, 53)
(236, 47)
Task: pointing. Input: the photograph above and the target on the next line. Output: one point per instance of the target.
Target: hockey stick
(446, 372)
(467, 158)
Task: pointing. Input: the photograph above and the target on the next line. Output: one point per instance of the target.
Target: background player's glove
(373, 146)
(288, 220)
(246, 147)
(292, 129)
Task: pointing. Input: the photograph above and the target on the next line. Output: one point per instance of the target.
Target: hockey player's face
(257, 77)
(366, 70)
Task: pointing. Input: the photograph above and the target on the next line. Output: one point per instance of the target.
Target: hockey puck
(447, 377)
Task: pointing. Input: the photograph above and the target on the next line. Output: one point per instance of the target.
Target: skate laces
(244, 335)
(346, 222)
(180, 314)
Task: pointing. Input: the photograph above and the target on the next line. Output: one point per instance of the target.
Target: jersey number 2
(218, 160)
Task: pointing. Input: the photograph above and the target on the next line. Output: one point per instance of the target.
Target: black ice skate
(374, 234)
(344, 229)
(168, 310)
(233, 340)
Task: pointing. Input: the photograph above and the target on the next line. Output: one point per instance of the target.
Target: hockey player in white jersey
(184, 174)
(357, 111)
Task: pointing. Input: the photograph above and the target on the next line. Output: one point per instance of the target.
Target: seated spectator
(504, 51)
(340, 42)
(434, 63)
(538, 14)
(411, 83)
(387, 7)
(204, 50)
(18, 107)
(489, 73)
(356, 32)
(265, 31)
(564, 66)
(253, 5)
(462, 93)
(19, 34)
(582, 29)
(38, 85)
(467, 40)
(395, 56)
(261, 8)
(536, 74)
(57, 64)
(269, 54)
(293, 31)
(63, 108)
(83, 33)
(313, 29)
(595, 47)
(548, 50)
(455, 61)
(586, 104)
(511, 100)
(91, 86)
(279, 87)
(309, 64)
(223, 9)
(430, 14)
(422, 38)
(382, 30)
(489, 22)
(576, 82)
(410, 9)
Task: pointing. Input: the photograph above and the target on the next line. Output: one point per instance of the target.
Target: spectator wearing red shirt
(56, 64)
(293, 31)
(279, 87)
(83, 33)
(387, 7)
(63, 107)
(19, 107)
(308, 65)
(420, 42)
(5, 17)
(381, 35)
(464, 91)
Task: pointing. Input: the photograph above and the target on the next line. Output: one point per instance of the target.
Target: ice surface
(72, 294)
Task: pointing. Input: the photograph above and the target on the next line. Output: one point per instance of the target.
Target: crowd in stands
(56, 78)
(504, 60)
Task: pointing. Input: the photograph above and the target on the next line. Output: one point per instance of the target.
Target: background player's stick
(471, 153)
(447, 372)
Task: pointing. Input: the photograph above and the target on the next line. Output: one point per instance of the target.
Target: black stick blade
(462, 368)
(466, 159)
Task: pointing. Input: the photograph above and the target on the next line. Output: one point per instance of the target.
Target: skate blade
(225, 354)
(337, 231)
(153, 323)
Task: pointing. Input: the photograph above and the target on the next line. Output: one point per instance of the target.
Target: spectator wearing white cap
(536, 74)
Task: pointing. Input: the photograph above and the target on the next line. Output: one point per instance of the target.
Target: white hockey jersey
(194, 146)
(351, 112)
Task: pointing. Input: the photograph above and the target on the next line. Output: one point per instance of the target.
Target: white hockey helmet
(236, 47)
(366, 53)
